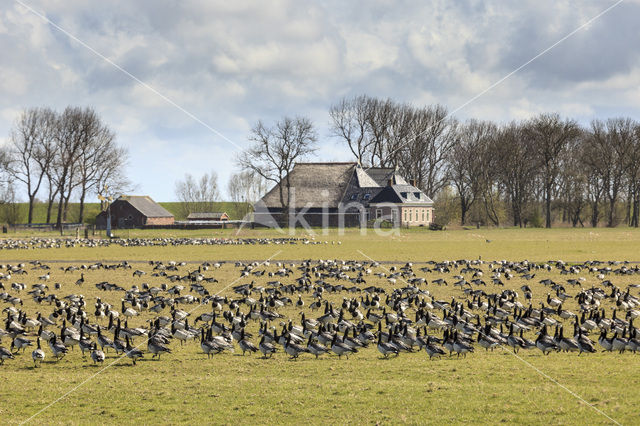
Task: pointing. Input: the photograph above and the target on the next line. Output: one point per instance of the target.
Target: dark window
(366, 196)
(417, 194)
(354, 197)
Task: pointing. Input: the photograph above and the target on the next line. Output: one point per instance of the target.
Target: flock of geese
(44, 243)
(316, 308)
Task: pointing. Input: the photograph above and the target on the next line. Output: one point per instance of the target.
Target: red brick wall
(160, 221)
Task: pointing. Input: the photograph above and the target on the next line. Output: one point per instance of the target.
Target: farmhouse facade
(345, 194)
(134, 211)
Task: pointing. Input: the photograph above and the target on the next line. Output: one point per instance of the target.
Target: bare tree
(275, 151)
(633, 175)
(95, 153)
(611, 143)
(350, 121)
(464, 169)
(245, 188)
(551, 136)
(111, 178)
(30, 156)
(198, 196)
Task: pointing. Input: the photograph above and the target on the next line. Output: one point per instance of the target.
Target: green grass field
(186, 387)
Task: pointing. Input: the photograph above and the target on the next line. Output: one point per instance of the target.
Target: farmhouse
(131, 211)
(345, 194)
(207, 217)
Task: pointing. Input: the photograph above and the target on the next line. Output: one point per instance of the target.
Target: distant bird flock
(316, 308)
(43, 243)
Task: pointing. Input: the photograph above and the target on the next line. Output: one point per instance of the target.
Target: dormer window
(403, 194)
(354, 197)
(417, 195)
(366, 196)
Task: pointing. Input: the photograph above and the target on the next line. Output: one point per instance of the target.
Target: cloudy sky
(216, 67)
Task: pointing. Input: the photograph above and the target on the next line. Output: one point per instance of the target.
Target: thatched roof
(145, 205)
(314, 185)
(318, 185)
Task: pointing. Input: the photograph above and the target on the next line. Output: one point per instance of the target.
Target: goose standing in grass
(267, 348)
(386, 348)
(20, 342)
(339, 348)
(5, 354)
(38, 354)
(544, 342)
(58, 349)
(293, 349)
(132, 352)
(156, 346)
(460, 347)
(607, 344)
(316, 348)
(206, 346)
(97, 355)
(246, 345)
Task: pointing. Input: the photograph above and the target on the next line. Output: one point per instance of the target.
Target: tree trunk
(30, 218)
(49, 207)
(595, 214)
(548, 204)
(60, 205)
(81, 214)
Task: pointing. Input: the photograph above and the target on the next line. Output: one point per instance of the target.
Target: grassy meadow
(186, 387)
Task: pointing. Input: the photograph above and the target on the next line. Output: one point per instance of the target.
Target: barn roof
(314, 185)
(145, 205)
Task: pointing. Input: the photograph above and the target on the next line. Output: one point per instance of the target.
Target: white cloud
(232, 63)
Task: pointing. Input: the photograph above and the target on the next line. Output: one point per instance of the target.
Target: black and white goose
(38, 354)
(340, 348)
(316, 348)
(132, 352)
(266, 348)
(58, 348)
(293, 349)
(5, 354)
(544, 342)
(386, 348)
(97, 355)
(246, 345)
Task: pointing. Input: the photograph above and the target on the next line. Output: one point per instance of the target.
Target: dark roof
(405, 194)
(206, 216)
(145, 205)
(381, 175)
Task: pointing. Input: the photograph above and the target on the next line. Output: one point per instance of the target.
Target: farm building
(345, 194)
(132, 211)
(207, 217)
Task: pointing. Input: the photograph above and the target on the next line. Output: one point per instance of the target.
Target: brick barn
(345, 194)
(135, 211)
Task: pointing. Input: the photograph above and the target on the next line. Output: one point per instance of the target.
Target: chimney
(390, 182)
(413, 182)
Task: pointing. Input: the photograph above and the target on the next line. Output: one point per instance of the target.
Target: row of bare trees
(499, 173)
(61, 155)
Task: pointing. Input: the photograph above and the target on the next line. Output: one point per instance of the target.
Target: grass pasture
(186, 387)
